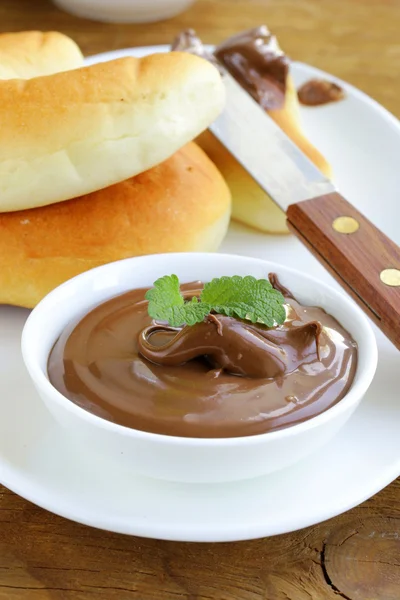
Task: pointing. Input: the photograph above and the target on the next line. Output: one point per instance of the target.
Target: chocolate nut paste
(221, 378)
(188, 41)
(319, 91)
(252, 57)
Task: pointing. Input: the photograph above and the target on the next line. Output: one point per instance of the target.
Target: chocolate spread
(255, 60)
(188, 41)
(319, 91)
(221, 378)
(252, 57)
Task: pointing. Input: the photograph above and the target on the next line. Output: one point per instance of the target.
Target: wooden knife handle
(364, 261)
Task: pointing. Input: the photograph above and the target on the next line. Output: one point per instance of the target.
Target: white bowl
(177, 458)
(124, 11)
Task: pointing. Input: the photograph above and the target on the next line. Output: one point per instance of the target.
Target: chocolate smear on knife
(252, 57)
(188, 41)
(255, 60)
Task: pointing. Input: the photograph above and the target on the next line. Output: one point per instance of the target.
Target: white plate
(37, 461)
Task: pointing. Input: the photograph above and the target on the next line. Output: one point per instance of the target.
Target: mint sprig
(247, 298)
(166, 303)
(244, 297)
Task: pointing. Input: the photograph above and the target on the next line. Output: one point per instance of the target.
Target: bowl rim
(41, 380)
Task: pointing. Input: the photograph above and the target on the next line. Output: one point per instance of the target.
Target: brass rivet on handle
(391, 277)
(345, 225)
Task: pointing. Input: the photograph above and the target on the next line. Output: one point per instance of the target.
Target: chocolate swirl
(223, 378)
(235, 346)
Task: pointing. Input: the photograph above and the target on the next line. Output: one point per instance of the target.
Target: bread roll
(68, 134)
(183, 204)
(250, 204)
(32, 53)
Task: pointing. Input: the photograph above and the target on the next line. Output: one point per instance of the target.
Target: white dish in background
(362, 142)
(124, 11)
(173, 458)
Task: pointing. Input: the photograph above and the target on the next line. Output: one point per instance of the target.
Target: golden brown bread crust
(29, 54)
(250, 204)
(180, 205)
(68, 134)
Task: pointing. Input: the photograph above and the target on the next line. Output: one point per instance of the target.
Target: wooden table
(354, 556)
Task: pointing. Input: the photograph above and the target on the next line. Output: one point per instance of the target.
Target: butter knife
(362, 258)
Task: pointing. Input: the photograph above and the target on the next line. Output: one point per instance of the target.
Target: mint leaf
(166, 303)
(164, 296)
(247, 298)
(244, 297)
(188, 314)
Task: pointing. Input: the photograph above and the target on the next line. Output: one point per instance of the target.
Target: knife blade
(261, 147)
(363, 260)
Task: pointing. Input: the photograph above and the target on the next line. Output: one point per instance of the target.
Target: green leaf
(166, 303)
(164, 296)
(190, 314)
(246, 298)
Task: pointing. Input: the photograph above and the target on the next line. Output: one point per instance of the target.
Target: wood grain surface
(354, 556)
(355, 259)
